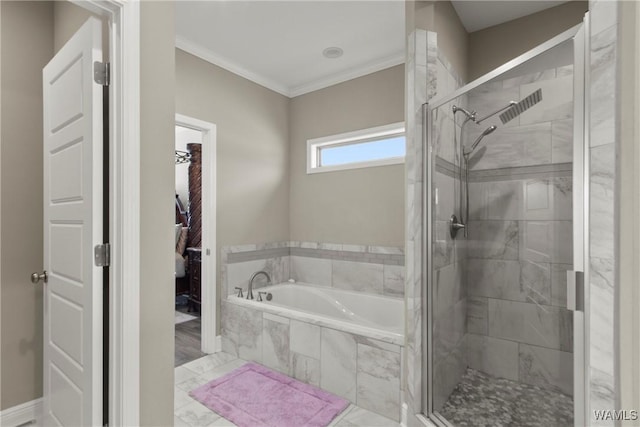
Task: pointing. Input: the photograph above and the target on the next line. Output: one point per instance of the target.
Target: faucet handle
(260, 295)
(239, 289)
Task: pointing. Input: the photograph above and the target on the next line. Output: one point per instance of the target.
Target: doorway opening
(195, 233)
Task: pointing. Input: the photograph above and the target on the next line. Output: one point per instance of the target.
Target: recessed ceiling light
(332, 52)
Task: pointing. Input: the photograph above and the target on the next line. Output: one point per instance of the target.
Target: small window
(379, 146)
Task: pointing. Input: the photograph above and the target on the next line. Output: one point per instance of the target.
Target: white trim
(209, 262)
(124, 176)
(361, 135)
(205, 54)
(22, 414)
(351, 73)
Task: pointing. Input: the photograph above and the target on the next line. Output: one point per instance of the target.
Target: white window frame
(359, 136)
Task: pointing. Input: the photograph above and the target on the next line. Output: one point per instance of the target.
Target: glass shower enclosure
(504, 222)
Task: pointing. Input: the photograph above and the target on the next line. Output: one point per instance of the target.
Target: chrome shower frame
(575, 34)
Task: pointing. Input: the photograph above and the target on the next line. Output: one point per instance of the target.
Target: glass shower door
(500, 339)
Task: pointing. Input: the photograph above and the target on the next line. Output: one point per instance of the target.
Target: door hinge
(102, 73)
(102, 255)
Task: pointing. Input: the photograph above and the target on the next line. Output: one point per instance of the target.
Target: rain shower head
(521, 106)
(486, 132)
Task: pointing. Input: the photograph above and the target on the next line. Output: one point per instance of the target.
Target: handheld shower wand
(486, 132)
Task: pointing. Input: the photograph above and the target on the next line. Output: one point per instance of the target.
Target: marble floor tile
(180, 398)
(196, 414)
(359, 417)
(190, 413)
(182, 374)
(209, 362)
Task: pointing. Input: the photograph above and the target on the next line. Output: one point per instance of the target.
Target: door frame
(124, 206)
(210, 343)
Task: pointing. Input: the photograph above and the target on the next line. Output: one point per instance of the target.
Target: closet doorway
(195, 238)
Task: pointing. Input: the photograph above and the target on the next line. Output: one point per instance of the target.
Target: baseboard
(22, 414)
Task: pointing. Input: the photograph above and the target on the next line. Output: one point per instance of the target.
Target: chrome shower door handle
(575, 290)
(37, 277)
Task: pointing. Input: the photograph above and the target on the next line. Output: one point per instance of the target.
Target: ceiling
(279, 44)
(479, 14)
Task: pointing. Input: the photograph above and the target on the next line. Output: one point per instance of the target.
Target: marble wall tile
(603, 86)
(533, 199)
(602, 201)
(493, 356)
(316, 271)
(445, 194)
(562, 141)
(542, 325)
(443, 246)
(449, 328)
(446, 135)
(477, 315)
(357, 276)
(238, 274)
(548, 199)
(559, 284)
(242, 331)
(602, 395)
(275, 343)
(602, 303)
(491, 96)
(447, 287)
(393, 280)
(546, 368)
(446, 375)
(529, 78)
(493, 239)
(338, 363)
(305, 339)
(524, 281)
(511, 146)
(604, 14)
(378, 378)
(546, 241)
(304, 368)
(496, 200)
(556, 104)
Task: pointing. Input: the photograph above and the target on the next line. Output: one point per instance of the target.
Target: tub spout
(250, 290)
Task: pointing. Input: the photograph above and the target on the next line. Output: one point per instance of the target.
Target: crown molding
(207, 55)
(349, 74)
(290, 92)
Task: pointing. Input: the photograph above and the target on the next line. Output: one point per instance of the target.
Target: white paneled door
(73, 221)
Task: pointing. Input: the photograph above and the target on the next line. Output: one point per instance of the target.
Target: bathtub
(373, 316)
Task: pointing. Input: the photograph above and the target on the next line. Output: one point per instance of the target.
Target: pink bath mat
(254, 396)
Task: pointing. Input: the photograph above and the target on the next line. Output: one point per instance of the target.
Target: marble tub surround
(370, 269)
(362, 369)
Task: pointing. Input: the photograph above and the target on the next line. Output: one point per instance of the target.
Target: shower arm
(511, 104)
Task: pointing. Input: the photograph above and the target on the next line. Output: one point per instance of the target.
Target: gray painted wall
(358, 206)
(157, 201)
(493, 46)
(27, 46)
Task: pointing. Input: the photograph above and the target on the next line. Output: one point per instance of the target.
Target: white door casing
(73, 221)
(209, 340)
